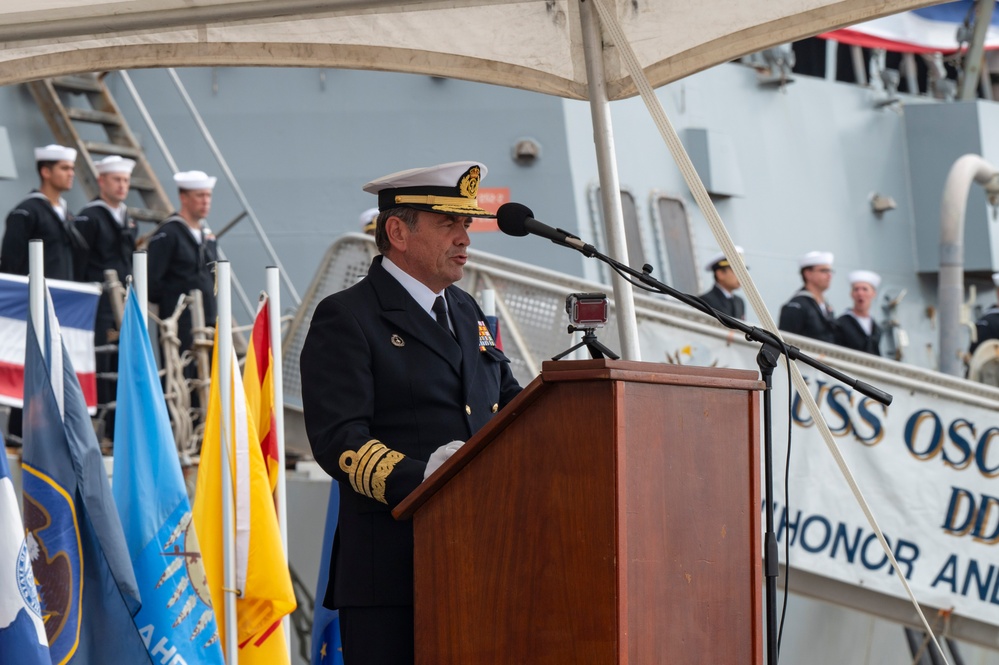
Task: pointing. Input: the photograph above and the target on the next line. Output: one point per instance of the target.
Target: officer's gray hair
(408, 215)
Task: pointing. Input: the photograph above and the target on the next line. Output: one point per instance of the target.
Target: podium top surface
(560, 371)
(643, 372)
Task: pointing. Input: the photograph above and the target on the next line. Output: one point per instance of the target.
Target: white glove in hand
(440, 456)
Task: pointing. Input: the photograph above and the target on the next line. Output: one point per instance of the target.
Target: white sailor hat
(55, 153)
(194, 180)
(815, 259)
(368, 219)
(446, 188)
(867, 277)
(115, 164)
(995, 279)
(719, 261)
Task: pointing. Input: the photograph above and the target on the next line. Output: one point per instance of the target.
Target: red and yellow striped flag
(258, 383)
(262, 570)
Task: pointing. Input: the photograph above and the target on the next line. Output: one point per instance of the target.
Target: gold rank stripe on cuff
(369, 467)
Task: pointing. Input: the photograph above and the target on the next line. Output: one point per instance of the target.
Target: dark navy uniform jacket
(850, 334)
(178, 264)
(111, 246)
(35, 218)
(733, 306)
(803, 315)
(384, 386)
(988, 326)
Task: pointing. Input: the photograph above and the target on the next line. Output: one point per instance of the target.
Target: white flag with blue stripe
(22, 631)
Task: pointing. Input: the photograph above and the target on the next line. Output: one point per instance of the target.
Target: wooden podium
(610, 514)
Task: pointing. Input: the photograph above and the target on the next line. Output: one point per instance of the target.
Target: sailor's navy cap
(815, 259)
(114, 164)
(192, 180)
(719, 261)
(55, 153)
(368, 219)
(867, 277)
(449, 189)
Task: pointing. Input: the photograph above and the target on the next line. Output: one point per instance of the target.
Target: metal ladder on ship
(59, 100)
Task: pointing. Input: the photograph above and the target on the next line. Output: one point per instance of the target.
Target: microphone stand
(770, 351)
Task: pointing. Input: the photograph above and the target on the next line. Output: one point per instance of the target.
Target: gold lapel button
(468, 409)
(398, 341)
(495, 408)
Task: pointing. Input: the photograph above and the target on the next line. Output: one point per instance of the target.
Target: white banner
(927, 465)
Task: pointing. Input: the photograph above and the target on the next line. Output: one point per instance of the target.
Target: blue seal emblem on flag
(55, 553)
(26, 580)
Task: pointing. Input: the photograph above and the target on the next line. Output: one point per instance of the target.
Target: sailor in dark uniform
(182, 252)
(721, 295)
(987, 327)
(110, 235)
(857, 329)
(45, 216)
(397, 371)
(807, 312)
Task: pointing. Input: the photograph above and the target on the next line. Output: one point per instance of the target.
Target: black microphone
(516, 219)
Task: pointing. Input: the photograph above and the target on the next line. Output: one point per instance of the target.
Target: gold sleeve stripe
(368, 468)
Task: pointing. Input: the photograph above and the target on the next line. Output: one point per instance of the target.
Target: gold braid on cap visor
(452, 204)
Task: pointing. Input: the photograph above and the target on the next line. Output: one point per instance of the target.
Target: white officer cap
(867, 277)
(194, 180)
(815, 259)
(368, 219)
(115, 164)
(55, 153)
(446, 188)
(719, 261)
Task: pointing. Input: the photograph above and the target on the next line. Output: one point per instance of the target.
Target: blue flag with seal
(326, 622)
(22, 630)
(176, 618)
(86, 585)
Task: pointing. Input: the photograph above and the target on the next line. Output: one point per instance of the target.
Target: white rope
(620, 41)
(175, 391)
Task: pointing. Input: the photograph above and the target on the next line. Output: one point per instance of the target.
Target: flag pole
(36, 289)
(139, 283)
(229, 591)
(277, 376)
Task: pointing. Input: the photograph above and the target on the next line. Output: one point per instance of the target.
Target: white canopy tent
(531, 44)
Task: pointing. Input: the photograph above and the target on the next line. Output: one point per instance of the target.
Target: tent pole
(610, 185)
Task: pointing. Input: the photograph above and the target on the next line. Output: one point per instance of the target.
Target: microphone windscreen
(511, 217)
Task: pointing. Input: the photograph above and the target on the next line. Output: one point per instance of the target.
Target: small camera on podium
(587, 310)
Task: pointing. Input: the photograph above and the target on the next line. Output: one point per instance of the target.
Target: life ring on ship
(984, 364)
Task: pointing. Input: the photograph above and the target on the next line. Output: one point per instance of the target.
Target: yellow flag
(267, 593)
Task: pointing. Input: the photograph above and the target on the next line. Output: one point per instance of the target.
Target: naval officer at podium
(397, 371)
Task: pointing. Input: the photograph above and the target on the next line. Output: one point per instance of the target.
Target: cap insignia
(469, 183)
